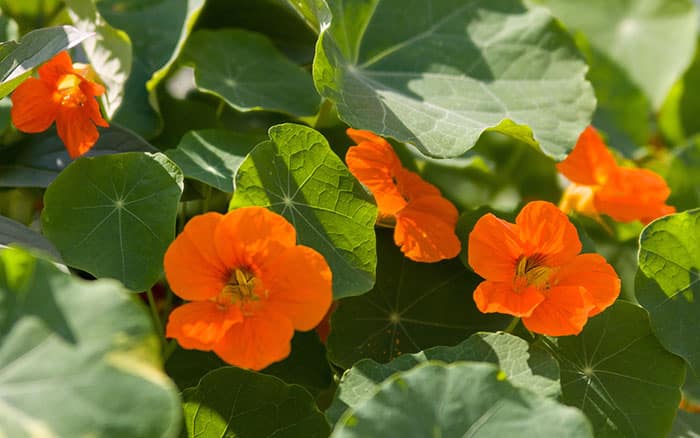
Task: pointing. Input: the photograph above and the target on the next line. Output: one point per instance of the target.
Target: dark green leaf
(12, 232)
(686, 425)
(683, 177)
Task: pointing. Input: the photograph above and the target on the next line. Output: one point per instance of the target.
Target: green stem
(207, 199)
(169, 349)
(154, 313)
(513, 323)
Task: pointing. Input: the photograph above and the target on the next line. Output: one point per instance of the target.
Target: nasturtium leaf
(463, 399)
(37, 161)
(316, 13)
(18, 59)
(12, 232)
(158, 30)
(439, 74)
(683, 177)
(686, 425)
(232, 402)
(525, 366)
(618, 373)
(297, 175)
(652, 40)
(212, 156)
(114, 215)
(77, 358)
(248, 72)
(668, 282)
(109, 51)
(412, 307)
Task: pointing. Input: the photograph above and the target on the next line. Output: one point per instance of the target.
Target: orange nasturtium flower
(424, 221)
(62, 94)
(249, 285)
(599, 185)
(533, 270)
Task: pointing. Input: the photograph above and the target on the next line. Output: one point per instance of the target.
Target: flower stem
(513, 323)
(154, 313)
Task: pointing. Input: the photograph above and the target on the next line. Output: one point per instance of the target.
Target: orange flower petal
(563, 312)
(249, 237)
(544, 229)
(201, 324)
(258, 341)
(92, 110)
(412, 186)
(590, 162)
(56, 67)
(634, 194)
(360, 135)
(192, 265)
(91, 89)
(579, 198)
(33, 109)
(425, 230)
(499, 297)
(494, 248)
(76, 130)
(592, 272)
(299, 282)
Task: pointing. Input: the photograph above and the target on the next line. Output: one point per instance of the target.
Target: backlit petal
(33, 109)
(201, 324)
(192, 265)
(563, 312)
(590, 162)
(92, 110)
(56, 67)
(592, 272)
(499, 297)
(299, 283)
(257, 342)
(76, 130)
(425, 230)
(545, 230)
(494, 248)
(412, 186)
(360, 135)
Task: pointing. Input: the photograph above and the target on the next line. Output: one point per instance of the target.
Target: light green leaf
(412, 307)
(525, 367)
(77, 358)
(463, 399)
(316, 13)
(212, 156)
(619, 374)
(18, 59)
(440, 74)
(297, 175)
(109, 51)
(652, 40)
(114, 216)
(232, 402)
(668, 282)
(12, 232)
(249, 73)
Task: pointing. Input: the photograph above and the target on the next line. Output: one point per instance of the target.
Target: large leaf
(619, 374)
(525, 366)
(37, 161)
(77, 358)
(459, 400)
(158, 30)
(652, 40)
(12, 232)
(412, 307)
(248, 72)
(114, 215)
(212, 156)
(18, 59)
(297, 175)
(439, 74)
(683, 177)
(668, 282)
(231, 402)
(109, 51)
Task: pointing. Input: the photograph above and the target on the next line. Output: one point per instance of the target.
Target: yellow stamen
(530, 272)
(240, 288)
(69, 92)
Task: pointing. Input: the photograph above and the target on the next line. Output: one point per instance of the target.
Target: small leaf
(297, 175)
(77, 358)
(235, 402)
(463, 399)
(525, 366)
(12, 232)
(114, 216)
(412, 307)
(668, 282)
(619, 374)
(248, 72)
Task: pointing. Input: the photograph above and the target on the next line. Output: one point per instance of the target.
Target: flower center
(68, 92)
(530, 272)
(240, 288)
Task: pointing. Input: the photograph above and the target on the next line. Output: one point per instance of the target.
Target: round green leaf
(525, 366)
(77, 358)
(412, 307)
(232, 402)
(439, 74)
(212, 156)
(459, 400)
(248, 72)
(619, 374)
(114, 215)
(297, 175)
(668, 282)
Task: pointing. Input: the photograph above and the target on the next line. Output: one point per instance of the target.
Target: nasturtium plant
(371, 218)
